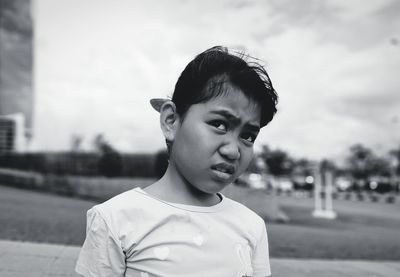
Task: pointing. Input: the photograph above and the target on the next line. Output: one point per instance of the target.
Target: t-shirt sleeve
(101, 254)
(260, 259)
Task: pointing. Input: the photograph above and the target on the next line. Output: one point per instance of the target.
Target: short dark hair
(205, 77)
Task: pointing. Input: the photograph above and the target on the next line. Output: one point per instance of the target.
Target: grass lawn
(39, 217)
(362, 230)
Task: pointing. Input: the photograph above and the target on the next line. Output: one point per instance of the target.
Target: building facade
(16, 70)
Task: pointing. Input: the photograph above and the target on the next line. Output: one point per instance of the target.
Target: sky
(334, 65)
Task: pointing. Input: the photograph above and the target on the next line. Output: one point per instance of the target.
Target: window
(7, 135)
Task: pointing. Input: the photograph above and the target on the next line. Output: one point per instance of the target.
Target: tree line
(361, 163)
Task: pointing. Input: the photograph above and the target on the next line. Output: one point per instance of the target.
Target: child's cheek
(247, 156)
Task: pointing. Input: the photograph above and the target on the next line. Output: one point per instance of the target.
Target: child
(182, 225)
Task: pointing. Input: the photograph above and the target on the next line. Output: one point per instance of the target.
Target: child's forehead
(232, 94)
(233, 105)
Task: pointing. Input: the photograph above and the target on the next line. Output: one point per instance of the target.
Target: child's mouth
(223, 171)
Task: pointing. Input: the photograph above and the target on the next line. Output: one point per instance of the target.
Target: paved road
(51, 260)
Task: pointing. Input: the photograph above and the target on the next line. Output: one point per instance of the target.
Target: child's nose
(230, 150)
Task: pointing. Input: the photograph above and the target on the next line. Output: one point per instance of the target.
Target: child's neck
(173, 188)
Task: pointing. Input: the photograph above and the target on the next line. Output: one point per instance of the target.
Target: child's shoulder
(242, 212)
(243, 218)
(131, 201)
(240, 208)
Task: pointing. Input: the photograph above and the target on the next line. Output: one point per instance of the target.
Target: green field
(361, 231)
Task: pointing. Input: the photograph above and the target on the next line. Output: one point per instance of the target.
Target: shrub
(83, 164)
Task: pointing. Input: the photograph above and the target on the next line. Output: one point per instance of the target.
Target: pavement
(27, 259)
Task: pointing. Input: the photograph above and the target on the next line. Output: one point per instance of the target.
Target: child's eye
(249, 137)
(220, 125)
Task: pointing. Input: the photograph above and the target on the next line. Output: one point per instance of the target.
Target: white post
(326, 210)
(329, 213)
(317, 191)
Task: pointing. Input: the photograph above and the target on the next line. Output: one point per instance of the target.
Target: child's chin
(214, 188)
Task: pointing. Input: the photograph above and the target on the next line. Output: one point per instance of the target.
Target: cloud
(355, 24)
(332, 64)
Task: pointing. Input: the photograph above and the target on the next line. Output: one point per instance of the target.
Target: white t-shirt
(136, 234)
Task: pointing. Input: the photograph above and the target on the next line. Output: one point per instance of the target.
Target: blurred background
(76, 127)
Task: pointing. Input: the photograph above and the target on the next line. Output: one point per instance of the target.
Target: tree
(328, 165)
(257, 164)
(395, 155)
(279, 162)
(358, 161)
(303, 167)
(363, 163)
(110, 162)
(76, 143)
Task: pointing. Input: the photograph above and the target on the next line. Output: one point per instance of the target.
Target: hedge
(96, 188)
(101, 189)
(87, 164)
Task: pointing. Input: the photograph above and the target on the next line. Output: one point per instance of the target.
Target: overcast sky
(335, 65)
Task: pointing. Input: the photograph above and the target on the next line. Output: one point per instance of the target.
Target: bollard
(323, 210)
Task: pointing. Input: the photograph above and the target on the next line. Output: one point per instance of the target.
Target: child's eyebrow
(236, 120)
(253, 128)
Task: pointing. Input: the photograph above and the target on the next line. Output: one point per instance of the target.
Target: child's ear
(169, 120)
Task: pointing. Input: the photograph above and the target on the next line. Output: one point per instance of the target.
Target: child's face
(213, 144)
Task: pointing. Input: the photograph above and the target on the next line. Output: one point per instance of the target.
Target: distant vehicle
(282, 183)
(301, 182)
(379, 184)
(252, 180)
(343, 183)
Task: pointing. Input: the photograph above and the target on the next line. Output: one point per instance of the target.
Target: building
(16, 64)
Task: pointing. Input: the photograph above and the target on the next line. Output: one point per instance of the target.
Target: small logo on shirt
(198, 240)
(161, 252)
(244, 254)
